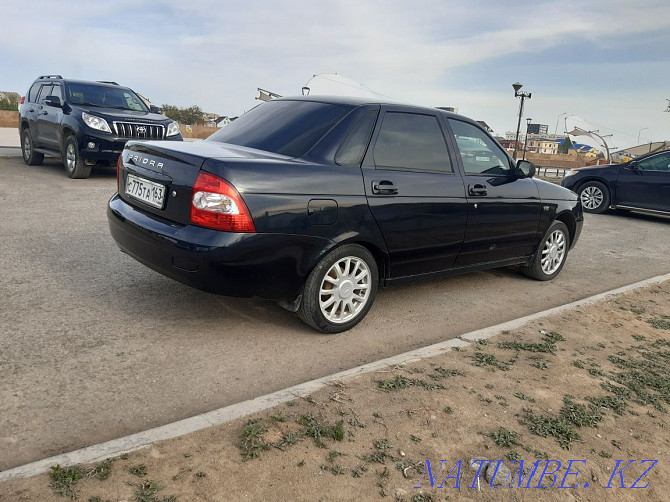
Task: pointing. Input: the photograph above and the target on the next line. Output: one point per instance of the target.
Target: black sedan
(315, 202)
(642, 184)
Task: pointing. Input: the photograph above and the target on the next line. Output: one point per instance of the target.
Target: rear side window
(32, 93)
(411, 141)
(288, 128)
(353, 148)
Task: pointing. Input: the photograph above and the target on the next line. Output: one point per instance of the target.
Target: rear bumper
(270, 266)
(106, 147)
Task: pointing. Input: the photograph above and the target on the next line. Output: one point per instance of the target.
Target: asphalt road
(95, 346)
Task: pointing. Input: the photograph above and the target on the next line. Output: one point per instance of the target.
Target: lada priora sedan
(315, 202)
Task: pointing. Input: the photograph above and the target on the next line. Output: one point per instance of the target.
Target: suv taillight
(216, 204)
(23, 100)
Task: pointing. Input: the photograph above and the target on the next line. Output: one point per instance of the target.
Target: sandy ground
(366, 439)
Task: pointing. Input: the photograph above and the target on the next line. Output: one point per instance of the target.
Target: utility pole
(522, 95)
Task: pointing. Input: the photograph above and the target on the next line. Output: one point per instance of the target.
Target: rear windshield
(105, 96)
(288, 128)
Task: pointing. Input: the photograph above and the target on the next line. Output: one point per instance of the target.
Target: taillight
(118, 173)
(23, 100)
(216, 204)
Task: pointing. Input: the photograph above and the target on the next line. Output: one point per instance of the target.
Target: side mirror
(53, 101)
(525, 168)
(154, 109)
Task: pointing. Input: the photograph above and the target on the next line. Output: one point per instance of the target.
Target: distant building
(541, 145)
(537, 129)
(580, 150)
(224, 121)
(485, 125)
(508, 144)
(448, 109)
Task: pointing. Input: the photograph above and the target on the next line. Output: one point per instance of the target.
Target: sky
(600, 65)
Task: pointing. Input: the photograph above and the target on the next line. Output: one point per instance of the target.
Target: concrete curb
(144, 439)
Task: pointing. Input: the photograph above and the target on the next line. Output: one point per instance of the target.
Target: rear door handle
(44, 112)
(384, 187)
(477, 190)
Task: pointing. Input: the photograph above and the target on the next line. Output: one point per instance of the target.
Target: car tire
(30, 156)
(340, 290)
(594, 196)
(551, 254)
(75, 167)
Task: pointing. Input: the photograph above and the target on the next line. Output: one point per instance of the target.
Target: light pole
(522, 95)
(557, 119)
(578, 131)
(638, 134)
(525, 143)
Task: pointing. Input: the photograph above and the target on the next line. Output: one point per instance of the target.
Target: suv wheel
(30, 156)
(74, 164)
(340, 290)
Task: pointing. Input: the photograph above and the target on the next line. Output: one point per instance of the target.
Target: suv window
(132, 101)
(45, 90)
(57, 91)
(288, 128)
(411, 141)
(104, 96)
(479, 153)
(657, 163)
(32, 93)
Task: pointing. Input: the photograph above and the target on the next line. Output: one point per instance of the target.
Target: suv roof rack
(50, 76)
(108, 82)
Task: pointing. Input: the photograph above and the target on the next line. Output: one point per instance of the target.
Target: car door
(645, 183)
(414, 192)
(29, 109)
(48, 118)
(44, 91)
(503, 209)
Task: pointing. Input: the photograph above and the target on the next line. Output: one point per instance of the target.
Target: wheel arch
(380, 255)
(66, 132)
(594, 178)
(569, 220)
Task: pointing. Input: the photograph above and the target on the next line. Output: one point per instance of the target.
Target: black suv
(86, 122)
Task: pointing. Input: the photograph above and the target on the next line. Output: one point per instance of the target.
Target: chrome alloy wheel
(553, 252)
(345, 289)
(27, 147)
(70, 157)
(591, 197)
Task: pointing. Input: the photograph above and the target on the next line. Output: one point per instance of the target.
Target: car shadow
(52, 164)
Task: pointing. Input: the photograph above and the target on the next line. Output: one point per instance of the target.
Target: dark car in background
(643, 184)
(85, 123)
(314, 202)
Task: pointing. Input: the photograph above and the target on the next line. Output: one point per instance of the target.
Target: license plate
(147, 191)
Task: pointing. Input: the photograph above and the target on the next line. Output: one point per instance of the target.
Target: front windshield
(285, 127)
(105, 96)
